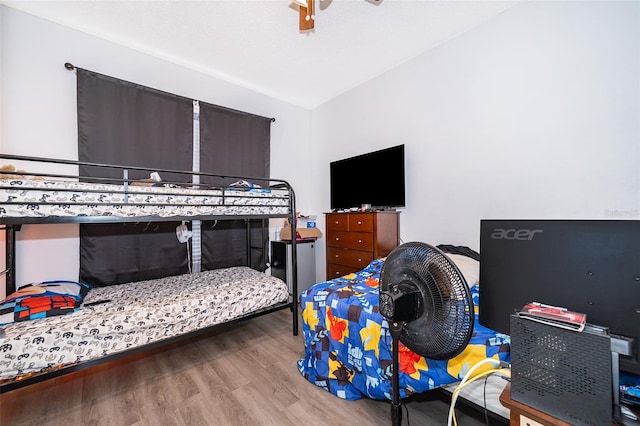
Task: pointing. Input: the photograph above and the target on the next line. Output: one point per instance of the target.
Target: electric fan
(427, 302)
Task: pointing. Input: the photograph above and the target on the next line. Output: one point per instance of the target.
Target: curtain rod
(69, 66)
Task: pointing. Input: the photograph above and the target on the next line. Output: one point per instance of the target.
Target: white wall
(534, 114)
(38, 118)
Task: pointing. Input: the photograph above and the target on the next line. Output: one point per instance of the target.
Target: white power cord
(184, 235)
(188, 257)
(464, 382)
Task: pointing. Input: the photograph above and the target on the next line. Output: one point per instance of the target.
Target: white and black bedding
(116, 318)
(28, 198)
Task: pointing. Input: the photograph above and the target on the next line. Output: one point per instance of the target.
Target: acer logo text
(514, 234)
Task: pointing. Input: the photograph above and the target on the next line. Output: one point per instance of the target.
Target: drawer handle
(337, 274)
(359, 241)
(337, 239)
(337, 256)
(359, 223)
(337, 222)
(359, 260)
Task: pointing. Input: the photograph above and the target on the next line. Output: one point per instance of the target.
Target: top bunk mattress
(136, 314)
(27, 198)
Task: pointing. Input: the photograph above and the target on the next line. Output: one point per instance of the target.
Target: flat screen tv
(588, 266)
(375, 178)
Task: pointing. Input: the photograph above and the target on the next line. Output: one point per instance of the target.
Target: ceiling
(257, 44)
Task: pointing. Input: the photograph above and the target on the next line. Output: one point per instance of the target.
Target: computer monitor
(588, 266)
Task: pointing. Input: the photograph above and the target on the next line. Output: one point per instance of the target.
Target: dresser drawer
(361, 222)
(354, 258)
(338, 222)
(354, 239)
(336, 271)
(350, 240)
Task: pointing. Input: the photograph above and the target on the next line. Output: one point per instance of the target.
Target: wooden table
(524, 415)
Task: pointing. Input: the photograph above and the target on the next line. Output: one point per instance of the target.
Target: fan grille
(445, 325)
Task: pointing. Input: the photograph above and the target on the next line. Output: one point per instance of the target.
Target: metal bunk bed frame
(12, 225)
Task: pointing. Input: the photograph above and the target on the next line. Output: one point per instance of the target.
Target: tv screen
(587, 266)
(375, 178)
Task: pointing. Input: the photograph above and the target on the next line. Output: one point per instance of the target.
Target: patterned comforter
(348, 344)
(33, 198)
(118, 317)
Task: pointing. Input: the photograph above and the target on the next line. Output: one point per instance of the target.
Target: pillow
(41, 300)
(469, 267)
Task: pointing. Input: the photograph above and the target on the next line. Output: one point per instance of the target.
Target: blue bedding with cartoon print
(348, 344)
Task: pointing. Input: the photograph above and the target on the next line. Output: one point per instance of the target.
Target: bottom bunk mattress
(120, 317)
(348, 346)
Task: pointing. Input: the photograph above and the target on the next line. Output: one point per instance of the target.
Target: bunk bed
(105, 323)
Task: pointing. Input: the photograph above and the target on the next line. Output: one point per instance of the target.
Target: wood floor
(243, 374)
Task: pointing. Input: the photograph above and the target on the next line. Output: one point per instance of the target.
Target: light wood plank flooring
(242, 374)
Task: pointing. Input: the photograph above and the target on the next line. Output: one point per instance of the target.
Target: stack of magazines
(553, 315)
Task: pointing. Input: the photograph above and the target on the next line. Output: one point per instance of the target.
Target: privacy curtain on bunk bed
(125, 123)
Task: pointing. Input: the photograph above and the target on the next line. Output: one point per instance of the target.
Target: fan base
(396, 414)
(396, 407)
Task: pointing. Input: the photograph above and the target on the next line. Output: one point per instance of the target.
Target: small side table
(524, 415)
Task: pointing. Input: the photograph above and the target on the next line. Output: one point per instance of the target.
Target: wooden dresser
(355, 239)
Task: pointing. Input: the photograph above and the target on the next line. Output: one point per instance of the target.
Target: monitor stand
(619, 346)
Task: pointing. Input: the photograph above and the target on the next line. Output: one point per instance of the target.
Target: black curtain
(124, 123)
(127, 252)
(234, 143)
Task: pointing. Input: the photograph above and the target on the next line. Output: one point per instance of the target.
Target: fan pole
(396, 409)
